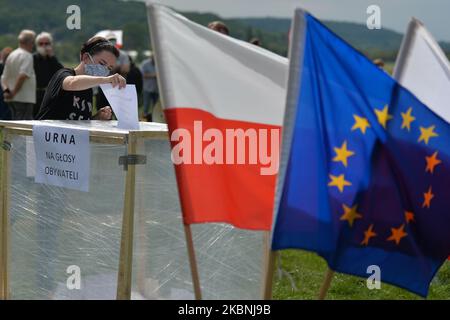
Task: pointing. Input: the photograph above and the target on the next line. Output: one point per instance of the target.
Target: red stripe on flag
(228, 193)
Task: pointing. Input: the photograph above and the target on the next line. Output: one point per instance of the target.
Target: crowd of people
(35, 85)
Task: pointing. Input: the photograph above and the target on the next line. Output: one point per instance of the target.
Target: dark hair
(219, 26)
(98, 44)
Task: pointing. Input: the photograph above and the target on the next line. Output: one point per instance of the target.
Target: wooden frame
(124, 281)
(4, 218)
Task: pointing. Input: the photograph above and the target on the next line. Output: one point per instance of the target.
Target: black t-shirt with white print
(59, 104)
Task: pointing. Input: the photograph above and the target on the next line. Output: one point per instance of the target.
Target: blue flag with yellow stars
(365, 168)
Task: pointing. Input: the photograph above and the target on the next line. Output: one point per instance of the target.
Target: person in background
(45, 66)
(5, 113)
(379, 63)
(256, 42)
(69, 92)
(3, 56)
(150, 87)
(123, 61)
(19, 80)
(134, 76)
(219, 26)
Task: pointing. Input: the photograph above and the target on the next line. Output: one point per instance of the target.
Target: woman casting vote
(69, 93)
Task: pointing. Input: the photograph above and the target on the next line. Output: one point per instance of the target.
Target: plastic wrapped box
(125, 237)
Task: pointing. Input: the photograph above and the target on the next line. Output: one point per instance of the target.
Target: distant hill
(384, 42)
(131, 16)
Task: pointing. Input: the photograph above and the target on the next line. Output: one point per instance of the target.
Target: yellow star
(432, 162)
(339, 182)
(409, 216)
(360, 123)
(427, 133)
(350, 214)
(407, 119)
(367, 235)
(397, 234)
(383, 116)
(342, 154)
(428, 196)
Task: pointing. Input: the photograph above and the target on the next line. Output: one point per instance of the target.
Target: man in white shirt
(19, 80)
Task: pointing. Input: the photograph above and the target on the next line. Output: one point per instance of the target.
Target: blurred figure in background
(45, 66)
(5, 113)
(134, 76)
(219, 26)
(19, 80)
(379, 63)
(123, 62)
(150, 88)
(3, 56)
(256, 42)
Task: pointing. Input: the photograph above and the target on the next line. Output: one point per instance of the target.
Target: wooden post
(193, 262)
(270, 270)
(4, 219)
(124, 280)
(269, 257)
(326, 284)
(141, 264)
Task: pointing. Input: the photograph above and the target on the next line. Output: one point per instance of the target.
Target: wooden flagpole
(270, 270)
(193, 262)
(326, 284)
(269, 258)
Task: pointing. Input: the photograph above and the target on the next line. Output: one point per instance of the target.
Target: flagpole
(326, 284)
(269, 271)
(193, 262)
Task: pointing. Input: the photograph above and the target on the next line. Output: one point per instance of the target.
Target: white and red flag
(224, 104)
(423, 68)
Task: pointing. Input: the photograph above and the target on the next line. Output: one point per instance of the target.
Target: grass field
(307, 271)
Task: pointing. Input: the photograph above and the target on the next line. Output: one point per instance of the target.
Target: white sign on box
(62, 157)
(124, 103)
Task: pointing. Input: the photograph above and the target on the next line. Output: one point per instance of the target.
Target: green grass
(307, 271)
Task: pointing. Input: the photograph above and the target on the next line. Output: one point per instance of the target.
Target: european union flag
(365, 174)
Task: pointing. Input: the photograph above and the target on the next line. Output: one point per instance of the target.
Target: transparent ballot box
(124, 238)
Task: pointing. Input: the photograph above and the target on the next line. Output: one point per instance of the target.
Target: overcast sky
(395, 13)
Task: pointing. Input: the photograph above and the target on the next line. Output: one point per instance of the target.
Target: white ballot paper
(62, 157)
(124, 103)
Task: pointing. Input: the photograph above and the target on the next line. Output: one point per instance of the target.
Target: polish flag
(223, 100)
